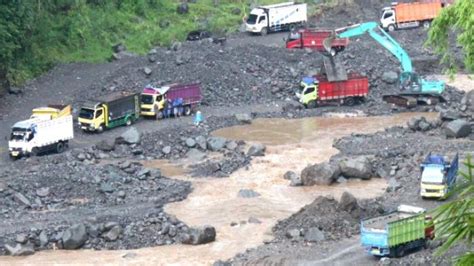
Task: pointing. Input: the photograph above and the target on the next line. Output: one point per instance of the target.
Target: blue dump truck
(397, 232)
(438, 176)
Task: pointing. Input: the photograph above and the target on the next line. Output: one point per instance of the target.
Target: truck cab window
(98, 113)
(159, 98)
(388, 14)
(309, 90)
(261, 18)
(252, 19)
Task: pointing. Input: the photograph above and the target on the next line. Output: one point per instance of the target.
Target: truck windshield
(252, 19)
(147, 99)
(18, 134)
(86, 113)
(432, 175)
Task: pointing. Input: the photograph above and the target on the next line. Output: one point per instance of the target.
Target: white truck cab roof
(432, 174)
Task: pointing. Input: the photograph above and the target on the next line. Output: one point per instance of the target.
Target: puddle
(167, 168)
(292, 144)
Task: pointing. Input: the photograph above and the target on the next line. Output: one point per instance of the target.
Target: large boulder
(320, 174)
(105, 145)
(20, 250)
(113, 234)
(202, 235)
(314, 235)
(468, 100)
(74, 237)
(356, 167)
(457, 129)
(244, 118)
(348, 202)
(131, 136)
(216, 143)
(256, 149)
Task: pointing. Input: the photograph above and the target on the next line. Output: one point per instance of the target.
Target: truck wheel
(426, 24)
(400, 251)
(59, 147)
(391, 27)
(34, 151)
(264, 31)
(100, 129)
(187, 110)
(349, 101)
(311, 104)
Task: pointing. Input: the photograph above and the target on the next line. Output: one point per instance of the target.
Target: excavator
(413, 89)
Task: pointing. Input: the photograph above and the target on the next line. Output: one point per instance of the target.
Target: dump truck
(438, 176)
(397, 232)
(407, 15)
(313, 39)
(51, 111)
(278, 17)
(170, 100)
(37, 135)
(111, 111)
(318, 89)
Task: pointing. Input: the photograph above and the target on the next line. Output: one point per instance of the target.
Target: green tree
(457, 19)
(454, 221)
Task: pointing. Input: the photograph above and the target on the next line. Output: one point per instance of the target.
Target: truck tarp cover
(123, 106)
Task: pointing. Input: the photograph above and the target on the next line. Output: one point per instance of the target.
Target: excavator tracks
(412, 100)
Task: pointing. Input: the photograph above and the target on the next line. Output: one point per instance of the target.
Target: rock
(236, 11)
(424, 125)
(253, 220)
(175, 46)
(166, 150)
(201, 235)
(21, 238)
(248, 193)
(314, 235)
(256, 149)
(201, 142)
(221, 263)
(216, 143)
(320, 174)
(289, 175)
(390, 77)
(20, 250)
(179, 60)
(43, 237)
(121, 194)
(296, 181)
(105, 145)
(183, 8)
(468, 100)
(244, 118)
(293, 233)
(457, 129)
(147, 71)
(74, 237)
(348, 202)
(151, 58)
(15, 90)
(385, 261)
(106, 188)
(113, 234)
(190, 143)
(21, 198)
(195, 155)
(42, 192)
(393, 185)
(119, 47)
(231, 145)
(131, 136)
(413, 123)
(356, 167)
(164, 24)
(129, 255)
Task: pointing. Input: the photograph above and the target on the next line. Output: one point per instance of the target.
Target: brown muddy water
(291, 145)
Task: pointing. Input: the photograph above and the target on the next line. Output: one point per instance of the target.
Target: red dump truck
(407, 15)
(317, 90)
(171, 100)
(313, 39)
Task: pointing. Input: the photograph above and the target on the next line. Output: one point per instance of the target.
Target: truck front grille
(432, 190)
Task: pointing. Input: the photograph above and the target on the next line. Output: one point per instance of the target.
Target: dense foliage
(460, 18)
(455, 220)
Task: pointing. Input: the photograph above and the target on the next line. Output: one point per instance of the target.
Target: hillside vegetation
(35, 35)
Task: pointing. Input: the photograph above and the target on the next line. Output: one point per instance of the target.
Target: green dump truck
(395, 233)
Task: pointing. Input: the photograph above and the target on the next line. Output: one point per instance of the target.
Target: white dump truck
(278, 17)
(37, 135)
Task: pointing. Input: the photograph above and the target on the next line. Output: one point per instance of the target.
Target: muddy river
(291, 145)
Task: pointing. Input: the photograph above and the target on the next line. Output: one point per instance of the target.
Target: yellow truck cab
(438, 176)
(152, 102)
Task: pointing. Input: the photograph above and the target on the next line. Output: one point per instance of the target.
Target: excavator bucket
(334, 69)
(327, 43)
